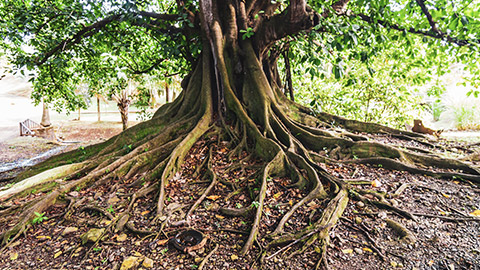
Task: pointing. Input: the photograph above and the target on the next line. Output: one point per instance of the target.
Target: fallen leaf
(475, 213)
(446, 195)
(213, 197)
(122, 237)
(14, 256)
(57, 254)
(367, 249)
(376, 183)
(43, 237)
(277, 195)
(162, 242)
(145, 212)
(347, 251)
(219, 217)
(234, 257)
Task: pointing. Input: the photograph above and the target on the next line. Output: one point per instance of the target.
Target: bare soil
(446, 234)
(19, 152)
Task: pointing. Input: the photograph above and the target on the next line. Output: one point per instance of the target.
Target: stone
(147, 263)
(93, 235)
(360, 204)
(130, 262)
(69, 230)
(358, 250)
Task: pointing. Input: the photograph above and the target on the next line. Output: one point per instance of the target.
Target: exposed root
(207, 191)
(205, 260)
(405, 234)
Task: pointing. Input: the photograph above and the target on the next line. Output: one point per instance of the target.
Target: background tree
(230, 49)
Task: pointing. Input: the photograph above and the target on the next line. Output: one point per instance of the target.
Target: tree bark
(45, 116)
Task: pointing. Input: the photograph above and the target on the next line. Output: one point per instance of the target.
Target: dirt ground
(444, 234)
(19, 152)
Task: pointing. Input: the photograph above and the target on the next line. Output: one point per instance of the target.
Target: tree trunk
(167, 92)
(98, 109)
(123, 108)
(45, 116)
(233, 93)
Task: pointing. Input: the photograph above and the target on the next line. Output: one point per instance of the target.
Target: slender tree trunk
(288, 73)
(167, 92)
(123, 108)
(98, 109)
(45, 116)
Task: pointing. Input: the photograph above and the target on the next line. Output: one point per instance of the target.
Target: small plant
(128, 147)
(255, 204)
(97, 249)
(238, 205)
(247, 33)
(39, 218)
(163, 251)
(110, 209)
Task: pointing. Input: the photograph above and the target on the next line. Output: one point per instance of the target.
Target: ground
(444, 234)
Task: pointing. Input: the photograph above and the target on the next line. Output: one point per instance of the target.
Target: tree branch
(297, 17)
(425, 11)
(85, 32)
(442, 36)
(90, 30)
(146, 70)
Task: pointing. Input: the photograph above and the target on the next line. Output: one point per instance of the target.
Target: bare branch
(441, 36)
(425, 11)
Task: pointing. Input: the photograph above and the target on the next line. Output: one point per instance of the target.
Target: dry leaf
(57, 254)
(277, 195)
(145, 212)
(234, 257)
(213, 197)
(475, 213)
(162, 242)
(376, 183)
(367, 249)
(219, 217)
(445, 195)
(14, 256)
(347, 251)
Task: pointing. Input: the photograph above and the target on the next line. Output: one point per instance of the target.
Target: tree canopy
(65, 42)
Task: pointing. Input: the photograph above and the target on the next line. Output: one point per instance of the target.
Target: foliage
(384, 91)
(39, 218)
(64, 44)
(466, 117)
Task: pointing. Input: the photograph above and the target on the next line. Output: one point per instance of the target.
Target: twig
(202, 264)
(364, 231)
(297, 240)
(448, 218)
